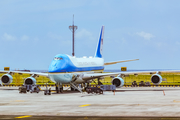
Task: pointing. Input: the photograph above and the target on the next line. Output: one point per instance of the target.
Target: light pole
(73, 29)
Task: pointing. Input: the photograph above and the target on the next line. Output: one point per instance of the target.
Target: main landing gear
(59, 88)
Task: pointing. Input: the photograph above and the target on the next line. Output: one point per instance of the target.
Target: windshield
(58, 58)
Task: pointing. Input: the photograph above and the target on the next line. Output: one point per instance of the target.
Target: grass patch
(171, 79)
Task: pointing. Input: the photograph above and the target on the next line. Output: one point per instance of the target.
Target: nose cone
(54, 66)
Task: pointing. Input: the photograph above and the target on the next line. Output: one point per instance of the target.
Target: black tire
(57, 91)
(61, 90)
(72, 89)
(87, 90)
(97, 91)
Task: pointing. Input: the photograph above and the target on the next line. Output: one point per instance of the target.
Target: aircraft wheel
(98, 91)
(72, 89)
(61, 90)
(101, 92)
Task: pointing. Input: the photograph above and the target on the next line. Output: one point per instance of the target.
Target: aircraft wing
(115, 62)
(22, 72)
(98, 75)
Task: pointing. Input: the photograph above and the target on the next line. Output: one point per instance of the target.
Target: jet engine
(156, 79)
(118, 81)
(6, 79)
(30, 81)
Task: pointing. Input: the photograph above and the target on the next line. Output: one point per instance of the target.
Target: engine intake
(156, 79)
(6, 79)
(30, 81)
(118, 81)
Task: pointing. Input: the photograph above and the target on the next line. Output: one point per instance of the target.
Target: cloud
(54, 36)
(84, 34)
(177, 43)
(8, 37)
(36, 39)
(160, 44)
(24, 38)
(146, 36)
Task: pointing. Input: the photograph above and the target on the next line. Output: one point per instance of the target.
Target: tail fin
(99, 48)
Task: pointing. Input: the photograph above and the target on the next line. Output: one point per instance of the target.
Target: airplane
(66, 69)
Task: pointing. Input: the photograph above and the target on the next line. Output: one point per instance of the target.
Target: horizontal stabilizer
(110, 63)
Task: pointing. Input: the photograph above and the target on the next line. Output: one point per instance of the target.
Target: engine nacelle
(30, 81)
(156, 79)
(118, 81)
(6, 79)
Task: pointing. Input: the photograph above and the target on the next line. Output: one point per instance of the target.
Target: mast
(73, 28)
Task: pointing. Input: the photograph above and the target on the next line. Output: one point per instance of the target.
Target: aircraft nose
(54, 64)
(53, 67)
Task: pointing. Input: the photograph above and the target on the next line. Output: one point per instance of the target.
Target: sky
(33, 32)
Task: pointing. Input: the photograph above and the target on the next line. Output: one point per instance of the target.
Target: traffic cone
(163, 92)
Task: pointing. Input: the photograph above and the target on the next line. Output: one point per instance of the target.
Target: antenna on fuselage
(73, 29)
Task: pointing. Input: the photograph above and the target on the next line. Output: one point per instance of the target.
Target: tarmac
(130, 102)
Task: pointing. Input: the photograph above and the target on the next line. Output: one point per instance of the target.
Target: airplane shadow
(65, 92)
(148, 90)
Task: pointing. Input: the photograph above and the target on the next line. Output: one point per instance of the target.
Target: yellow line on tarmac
(176, 101)
(18, 101)
(24, 116)
(85, 105)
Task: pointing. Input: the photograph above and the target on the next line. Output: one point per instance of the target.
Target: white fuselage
(64, 67)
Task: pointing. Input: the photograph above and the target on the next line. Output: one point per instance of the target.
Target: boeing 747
(66, 69)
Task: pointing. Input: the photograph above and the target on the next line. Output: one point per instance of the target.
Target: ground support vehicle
(29, 88)
(147, 84)
(141, 84)
(100, 88)
(35, 88)
(108, 87)
(22, 89)
(134, 84)
(47, 91)
(95, 89)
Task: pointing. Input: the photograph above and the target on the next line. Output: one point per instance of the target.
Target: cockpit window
(58, 58)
